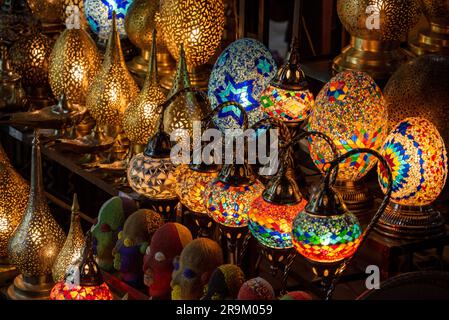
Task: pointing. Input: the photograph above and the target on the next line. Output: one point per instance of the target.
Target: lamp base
(7, 271)
(357, 198)
(199, 78)
(278, 259)
(380, 59)
(39, 97)
(235, 243)
(408, 222)
(168, 209)
(139, 64)
(52, 29)
(431, 40)
(327, 274)
(30, 288)
(205, 224)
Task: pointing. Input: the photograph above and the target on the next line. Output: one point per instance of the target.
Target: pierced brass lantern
(141, 117)
(37, 240)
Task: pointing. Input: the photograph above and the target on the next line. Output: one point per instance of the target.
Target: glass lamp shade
(191, 185)
(417, 157)
(198, 25)
(13, 201)
(48, 11)
(99, 16)
(326, 239)
(141, 116)
(350, 109)
(271, 224)
(241, 73)
(229, 205)
(73, 246)
(287, 105)
(67, 291)
(113, 88)
(30, 57)
(74, 62)
(152, 177)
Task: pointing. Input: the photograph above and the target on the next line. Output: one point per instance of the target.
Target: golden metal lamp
(37, 241)
(74, 63)
(198, 25)
(50, 13)
(185, 108)
(13, 97)
(30, 57)
(141, 19)
(13, 202)
(326, 233)
(434, 38)
(376, 28)
(73, 246)
(416, 153)
(142, 114)
(287, 97)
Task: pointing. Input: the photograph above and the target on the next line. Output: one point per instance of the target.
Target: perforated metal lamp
(329, 236)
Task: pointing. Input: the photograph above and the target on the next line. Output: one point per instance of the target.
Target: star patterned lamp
(350, 109)
(416, 153)
(99, 16)
(83, 281)
(287, 97)
(241, 73)
(326, 234)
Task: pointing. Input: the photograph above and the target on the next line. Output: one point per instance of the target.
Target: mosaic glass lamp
(37, 240)
(199, 26)
(73, 246)
(241, 74)
(83, 281)
(350, 109)
(377, 29)
(73, 64)
(142, 17)
(30, 59)
(435, 37)
(416, 153)
(228, 198)
(287, 97)
(142, 114)
(99, 15)
(326, 234)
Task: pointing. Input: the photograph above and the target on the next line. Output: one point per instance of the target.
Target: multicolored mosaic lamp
(287, 97)
(83, 281)
(326, 233)
(416, 153)
(228, 198)
(351, 110)
(241, 73)
(99, 16)
(199, 26)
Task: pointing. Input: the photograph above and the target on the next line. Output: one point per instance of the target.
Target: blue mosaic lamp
(242, 72)
(99, 16)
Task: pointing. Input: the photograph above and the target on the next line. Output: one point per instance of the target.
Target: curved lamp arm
(327, 183)
(208, 118)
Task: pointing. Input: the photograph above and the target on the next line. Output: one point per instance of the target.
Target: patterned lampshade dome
(241, 73)
(350, 109)
(417, 157)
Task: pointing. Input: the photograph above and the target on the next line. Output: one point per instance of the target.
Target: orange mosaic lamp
(83, 281)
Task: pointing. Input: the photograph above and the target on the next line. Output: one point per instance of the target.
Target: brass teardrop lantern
(37, 240)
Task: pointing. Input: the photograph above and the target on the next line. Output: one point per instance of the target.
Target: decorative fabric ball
(296, 295)
(256, 289)
(241, 73)
(350, 109)
(417, 157)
